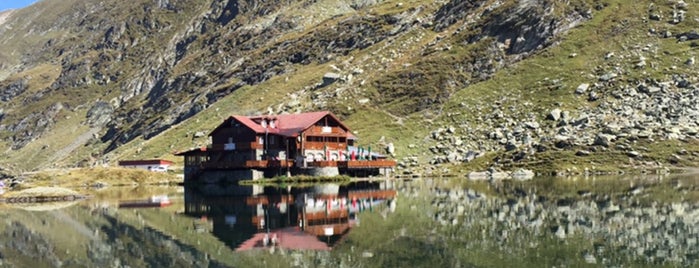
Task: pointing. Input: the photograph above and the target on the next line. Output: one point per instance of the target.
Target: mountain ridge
(138, 81)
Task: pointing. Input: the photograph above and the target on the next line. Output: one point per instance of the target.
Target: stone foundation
(324, 171)
(225, 176)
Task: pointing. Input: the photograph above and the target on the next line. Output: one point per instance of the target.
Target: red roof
(289, 125)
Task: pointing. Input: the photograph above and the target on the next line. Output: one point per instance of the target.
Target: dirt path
(79, 141)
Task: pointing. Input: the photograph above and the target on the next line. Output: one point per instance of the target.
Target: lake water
(548, 222)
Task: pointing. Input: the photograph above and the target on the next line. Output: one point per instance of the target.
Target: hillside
(465, 85)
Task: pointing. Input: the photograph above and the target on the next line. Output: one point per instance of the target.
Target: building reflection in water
(315, 218)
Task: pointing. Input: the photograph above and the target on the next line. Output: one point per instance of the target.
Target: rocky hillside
(502, 84)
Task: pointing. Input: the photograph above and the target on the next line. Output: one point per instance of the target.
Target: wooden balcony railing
(248, 164)
(358, 164)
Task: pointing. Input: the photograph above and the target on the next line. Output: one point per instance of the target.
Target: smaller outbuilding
(157, 165)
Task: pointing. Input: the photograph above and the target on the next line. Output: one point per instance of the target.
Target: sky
(14, 4)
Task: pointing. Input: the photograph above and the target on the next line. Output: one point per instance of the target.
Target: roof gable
(284, 124)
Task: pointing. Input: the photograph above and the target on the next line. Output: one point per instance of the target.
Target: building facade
(251, 147)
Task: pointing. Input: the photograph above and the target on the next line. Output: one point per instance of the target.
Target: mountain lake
(628, 221)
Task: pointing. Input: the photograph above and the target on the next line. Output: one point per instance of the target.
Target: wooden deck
(248, 164)
(357, 164)
(262, 164)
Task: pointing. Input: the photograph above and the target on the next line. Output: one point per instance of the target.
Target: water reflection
(307, 218)
(545, 222)
(601, 226)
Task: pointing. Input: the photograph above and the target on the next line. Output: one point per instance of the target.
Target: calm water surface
(562, 222)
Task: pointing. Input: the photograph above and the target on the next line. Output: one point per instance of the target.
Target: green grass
(86, 177)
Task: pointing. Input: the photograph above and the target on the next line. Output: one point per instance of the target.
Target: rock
(531, 125)
(100, 114)
(498, 175)
(690, 61)
(367, 254)
(561, 232)
(609, 55)
(582, 88)
(583, 153)
(470, 155)
(363, 101)
(451, 129)
(688, 36)
(667, 34)
(554, 115)
(453, 157)
(648, 89)
(522, 174)
(603, 140)
(390, 149)
(633, 154)
(582, 120)
(330, 78)
(199, 134)
(607, 77)
(477, 176)
(592, 96)
(511, 145)
(589, 258)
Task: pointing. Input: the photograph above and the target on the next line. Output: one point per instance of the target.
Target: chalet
(151, 164)
(315, 143)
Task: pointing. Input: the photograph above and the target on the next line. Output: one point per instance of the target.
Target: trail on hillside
(77, 142)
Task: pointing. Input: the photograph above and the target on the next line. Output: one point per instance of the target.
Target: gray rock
(477, 176)
(561, 232)
(498, 175)
(633, 153)
(607, 77)
(592, 96)
(330, 78)
(603, 140)
(511, 145)
(390, 149)
(583, 153)
(470, 155)
(554, 115)
(531, 125)
(589, 258)
(582, 88)
(523, 174)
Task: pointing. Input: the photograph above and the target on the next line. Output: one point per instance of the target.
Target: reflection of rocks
(657, 233)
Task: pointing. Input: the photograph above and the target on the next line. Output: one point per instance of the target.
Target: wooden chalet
(271, 145)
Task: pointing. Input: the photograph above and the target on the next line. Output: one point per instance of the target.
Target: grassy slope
(617, 27)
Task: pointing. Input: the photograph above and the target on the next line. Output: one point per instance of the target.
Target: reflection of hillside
(294, 218)
(622, 227)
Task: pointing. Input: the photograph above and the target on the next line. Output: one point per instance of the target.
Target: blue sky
(13, 4)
